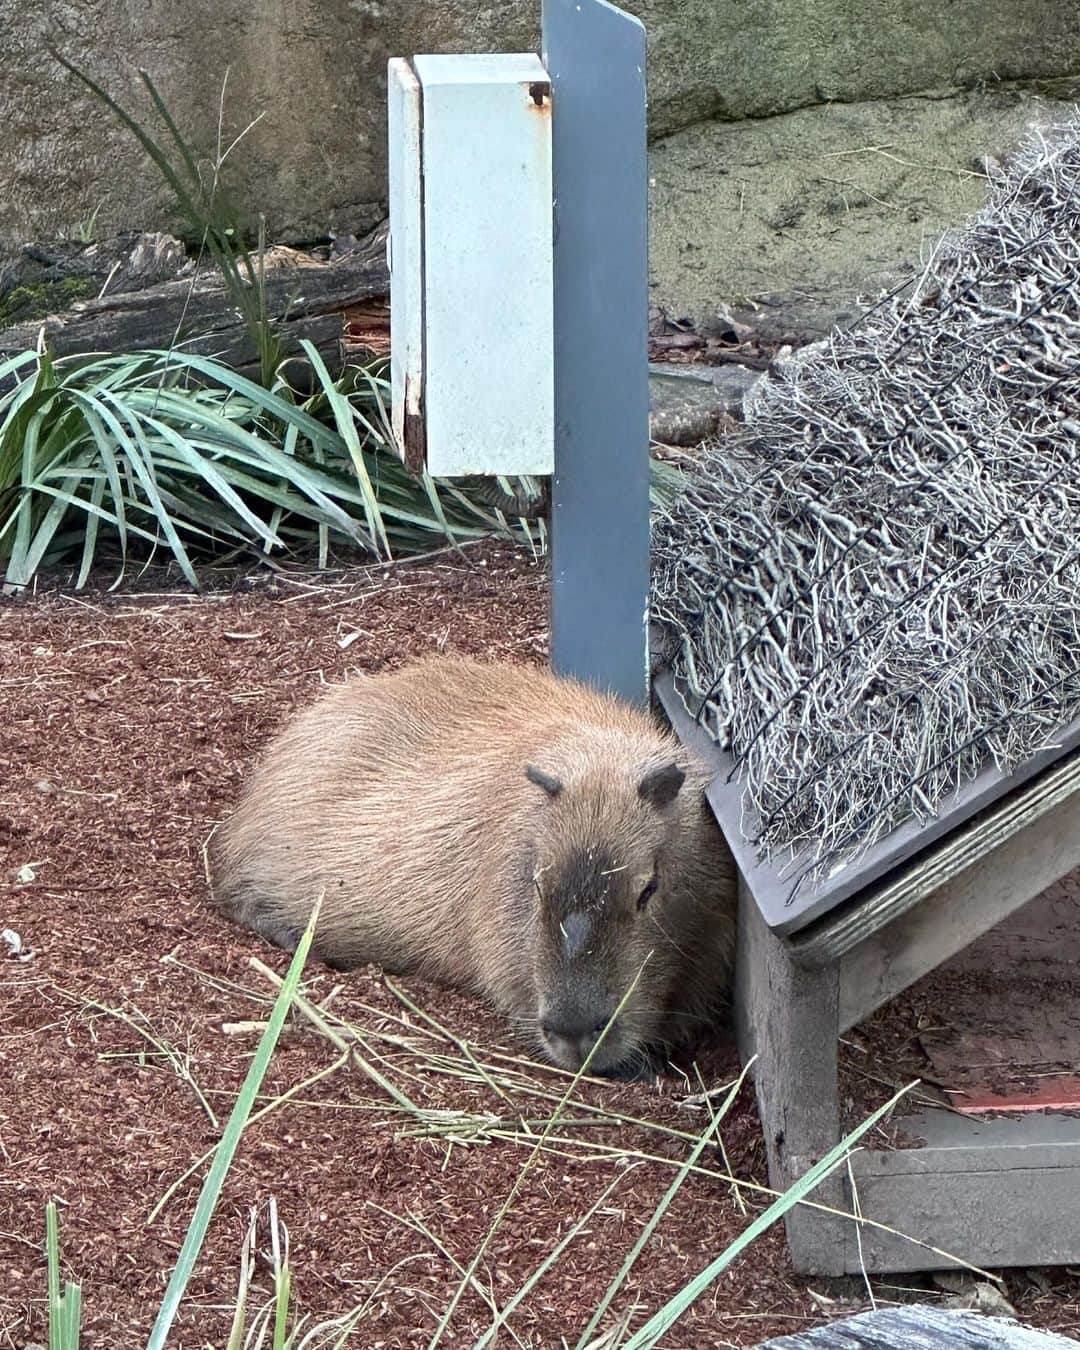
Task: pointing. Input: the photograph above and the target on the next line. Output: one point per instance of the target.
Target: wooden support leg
(787, 1017)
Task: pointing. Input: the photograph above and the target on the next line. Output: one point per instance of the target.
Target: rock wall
(310, 75)
(794, 221)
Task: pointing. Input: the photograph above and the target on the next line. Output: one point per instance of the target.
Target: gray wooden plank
(786, 1017)
(995, 883)
(841, 932)
(595, 56)
(921, 1327)
(1002, 1213)
(994, 1192)
(1040, 1133)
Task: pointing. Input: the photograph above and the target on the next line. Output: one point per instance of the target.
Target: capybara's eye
(647, 894)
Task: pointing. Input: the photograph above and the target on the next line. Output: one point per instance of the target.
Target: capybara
(499, 829)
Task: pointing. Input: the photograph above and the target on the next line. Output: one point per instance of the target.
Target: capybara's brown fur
(499, 829)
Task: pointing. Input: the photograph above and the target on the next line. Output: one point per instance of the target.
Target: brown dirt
(128, 724)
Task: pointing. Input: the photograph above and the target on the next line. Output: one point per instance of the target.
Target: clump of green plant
(168, 450)
(85, 231)
(177, 452)
(275, 1324)
(36, 299)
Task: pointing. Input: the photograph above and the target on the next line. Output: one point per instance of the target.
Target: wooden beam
(786, 1017)
(832, 937)
(199, 313)
(994, 884)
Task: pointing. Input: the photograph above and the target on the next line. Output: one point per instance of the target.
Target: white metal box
(470, 255)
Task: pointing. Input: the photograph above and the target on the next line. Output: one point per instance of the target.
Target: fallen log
(199, 315)
(920, 1327)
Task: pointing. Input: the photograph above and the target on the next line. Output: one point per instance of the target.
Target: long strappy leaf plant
(177, 454)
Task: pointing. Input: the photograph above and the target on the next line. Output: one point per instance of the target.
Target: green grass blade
(11, 367)
(173, 129)
(661, 1209)
(666, 481)
(100, 420)
(65, 1309)
(164, 165)
(343, 418)
(273, 493)
(269, 457)
(437, 508)
(662, 1321)
(230, 1141)
(206, 469)
(214, 218)
(282, 1294)
(49, 525)
(15, 572)
(18, 404)
(97, 492)
(526, 1167)
(52, 1256)
(139, 460)
(243, 1286)
(72, 1316)
(273, 404)
(144, 472)
(24, 528)
(542, 1269)
(324, 533)
(206, 459)
(88, 507)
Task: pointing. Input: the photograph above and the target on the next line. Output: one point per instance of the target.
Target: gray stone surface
(686, 403)
(315, 71)
(758, 58)
(792, 219)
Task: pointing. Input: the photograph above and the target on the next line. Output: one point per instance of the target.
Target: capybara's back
(458, 819)
(385, 797)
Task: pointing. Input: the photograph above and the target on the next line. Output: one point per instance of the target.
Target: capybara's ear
(551, 785)
(661, 786)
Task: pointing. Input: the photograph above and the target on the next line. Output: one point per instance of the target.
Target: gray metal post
(595, 58)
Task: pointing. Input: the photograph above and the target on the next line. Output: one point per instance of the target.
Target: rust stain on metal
(414, 430)
(540, 94)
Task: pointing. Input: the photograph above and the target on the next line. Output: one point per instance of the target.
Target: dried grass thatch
(873, 587)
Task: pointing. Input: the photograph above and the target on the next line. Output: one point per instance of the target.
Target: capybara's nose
(571, 1037)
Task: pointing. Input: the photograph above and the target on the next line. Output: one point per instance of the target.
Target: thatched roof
(875, 584)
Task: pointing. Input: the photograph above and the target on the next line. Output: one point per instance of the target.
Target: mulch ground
(129, 721)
